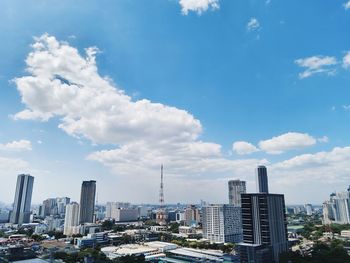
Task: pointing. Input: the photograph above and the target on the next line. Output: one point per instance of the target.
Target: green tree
(107, 225)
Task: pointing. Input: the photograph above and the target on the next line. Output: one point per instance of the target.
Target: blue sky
(229, 85)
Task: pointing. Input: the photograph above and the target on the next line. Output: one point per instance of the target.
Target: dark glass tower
(23, 199)
(261, 179)
(87, 202)
(264, 223)
(264, 228)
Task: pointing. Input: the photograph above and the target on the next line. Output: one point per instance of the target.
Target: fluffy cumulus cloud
(330, 167)
(21, 145)
(66, 85)
(242, 148)
(306, 174)
(253, 24)
(198, 6)
(140, 134)
(287, 141)
(316, 65)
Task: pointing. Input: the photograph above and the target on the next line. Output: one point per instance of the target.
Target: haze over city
(109, 91)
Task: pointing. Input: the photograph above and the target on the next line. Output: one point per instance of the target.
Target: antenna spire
(161, 215)
(161, 191)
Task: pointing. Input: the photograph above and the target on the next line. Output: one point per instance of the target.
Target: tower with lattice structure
(161, 214)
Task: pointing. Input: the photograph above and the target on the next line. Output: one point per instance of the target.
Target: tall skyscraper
(23, 199)
(87, 202)
(261, 179)
(235, 189)
(71, 218)
(264, 225)
(222, 223)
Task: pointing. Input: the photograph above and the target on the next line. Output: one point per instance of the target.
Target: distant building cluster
(255, 222)
(337, 208)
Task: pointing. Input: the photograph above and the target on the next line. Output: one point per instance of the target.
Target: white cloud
(316, 64)
(61, 81)
(242, 148)
(253, 24)
(331, 167)
(21, 145)
(346, 59)
(66, 85)
(311, 177)
(347, 5)
(287, 141)
(198, 6)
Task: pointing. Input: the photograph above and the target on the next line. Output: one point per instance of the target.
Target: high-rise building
(23, 199)
(49, 207)
(192, 216)
(235, 189)
(61, 204)
(71, 219)
(112, 207)
(222, 223)
(53, 206)
(264, 224)
(309, 209)
(87, 202)
(337, 208)
(261, 179)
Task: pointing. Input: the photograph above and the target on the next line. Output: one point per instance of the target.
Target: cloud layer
(65, 85)
(286, 142)
(21, 145)
(198, 6)
(278, 144)
(316, 65)
(242, 148)
(328, 65)
(253, 24)
(139, 135)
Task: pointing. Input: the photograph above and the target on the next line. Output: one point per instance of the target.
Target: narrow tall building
(222, 223)
(261, 179)
(264, 223)
(264, 228)
(71, 218)
(87, 202)
(23, 199)
(235, 189)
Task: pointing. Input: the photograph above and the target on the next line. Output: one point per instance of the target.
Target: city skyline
(210, 90)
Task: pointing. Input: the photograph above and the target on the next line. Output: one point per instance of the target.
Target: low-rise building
(151, 250)
(186, 230)
(345, 233)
